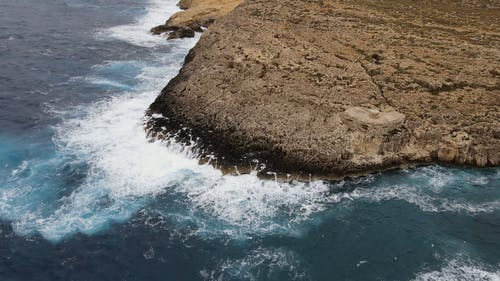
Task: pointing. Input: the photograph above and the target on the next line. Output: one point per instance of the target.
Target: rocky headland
(335, 88)
(197, 15)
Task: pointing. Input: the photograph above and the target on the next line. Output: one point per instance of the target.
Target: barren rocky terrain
(335, 88)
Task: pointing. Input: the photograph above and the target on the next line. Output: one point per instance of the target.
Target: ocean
(85, 196)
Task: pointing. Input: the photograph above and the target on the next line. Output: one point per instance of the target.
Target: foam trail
(260, 264)
(432, 189)
(425, 202)
(456, 270)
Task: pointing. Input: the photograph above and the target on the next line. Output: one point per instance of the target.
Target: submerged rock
(344, 87)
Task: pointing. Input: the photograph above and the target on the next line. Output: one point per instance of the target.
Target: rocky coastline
(196, 16)
(337, 88)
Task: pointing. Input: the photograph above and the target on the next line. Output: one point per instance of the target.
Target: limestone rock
(375, 117)
(343, 87)
(197, 14)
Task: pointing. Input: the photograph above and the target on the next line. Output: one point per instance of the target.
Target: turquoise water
(85, 196)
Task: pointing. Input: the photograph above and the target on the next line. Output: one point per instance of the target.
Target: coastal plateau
(334, 88)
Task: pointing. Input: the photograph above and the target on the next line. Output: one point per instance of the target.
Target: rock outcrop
(197, 14)
(343, 87)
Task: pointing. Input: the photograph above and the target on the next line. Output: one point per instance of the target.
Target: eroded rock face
(196, 15)
(342, 87)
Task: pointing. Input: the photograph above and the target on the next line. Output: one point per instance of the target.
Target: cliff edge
(197, 14)
(343, 87)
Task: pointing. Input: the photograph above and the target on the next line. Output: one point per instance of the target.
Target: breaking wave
(458, 270)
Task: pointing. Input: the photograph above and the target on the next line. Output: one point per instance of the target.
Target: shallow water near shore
(85, 196)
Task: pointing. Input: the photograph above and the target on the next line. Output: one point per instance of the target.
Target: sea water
(85, 196)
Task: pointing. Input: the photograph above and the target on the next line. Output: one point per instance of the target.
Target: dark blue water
(84, 195)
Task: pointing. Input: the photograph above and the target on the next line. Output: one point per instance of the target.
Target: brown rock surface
(343, 87)
(197, 14)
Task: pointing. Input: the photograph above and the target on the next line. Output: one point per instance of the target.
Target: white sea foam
(20, 169)
(436, 178)
(109, 83)
(126, 171)
(244, 205)
(427, 202)
(137, 33)
(461, 271)
(259, 264)
(481, 180)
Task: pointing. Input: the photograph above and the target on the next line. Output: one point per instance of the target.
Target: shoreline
(378, 130)
(163, 128)
(195, 16)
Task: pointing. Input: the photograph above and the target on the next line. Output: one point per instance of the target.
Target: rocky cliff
(343, 87)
